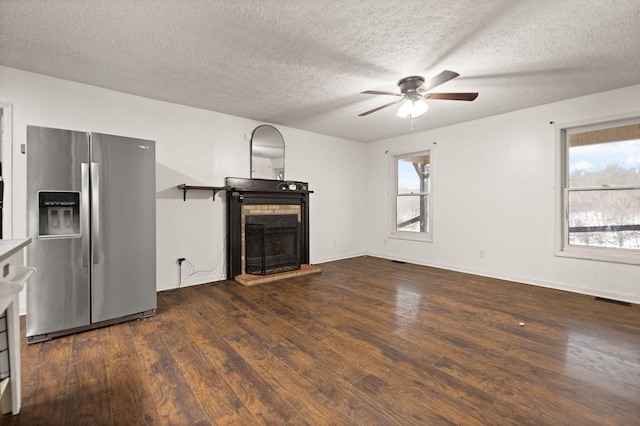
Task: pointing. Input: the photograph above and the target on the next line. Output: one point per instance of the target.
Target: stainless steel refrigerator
(91, 217)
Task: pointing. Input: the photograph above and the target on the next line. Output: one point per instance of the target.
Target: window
(601, 191)
(410, 204)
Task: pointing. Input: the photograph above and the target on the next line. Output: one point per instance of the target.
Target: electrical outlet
(481, 254)
(334, 243)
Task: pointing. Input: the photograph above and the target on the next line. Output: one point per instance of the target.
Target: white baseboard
(334, 258)
(515, 278)
(187, 283)
(519, 279)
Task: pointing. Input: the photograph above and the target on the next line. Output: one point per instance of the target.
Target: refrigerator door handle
(95, 212)
(84, 213)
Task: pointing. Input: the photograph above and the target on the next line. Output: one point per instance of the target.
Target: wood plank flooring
(368, 341)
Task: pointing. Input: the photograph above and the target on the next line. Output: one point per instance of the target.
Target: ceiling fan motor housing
(410, 84)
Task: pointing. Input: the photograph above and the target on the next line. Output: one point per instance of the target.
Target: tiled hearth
(249, 280)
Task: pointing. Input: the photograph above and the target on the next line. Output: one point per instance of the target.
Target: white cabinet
(13, 276)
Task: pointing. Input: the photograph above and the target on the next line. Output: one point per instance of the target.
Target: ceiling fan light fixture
(412, 108)
(419, 108)
(405, 109)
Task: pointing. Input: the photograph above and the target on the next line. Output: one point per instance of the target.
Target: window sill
(411, 236)
(601, 255)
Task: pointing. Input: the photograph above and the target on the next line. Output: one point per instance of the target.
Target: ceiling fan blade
(452, 96)
(377, 92)
(380, 107)
(443, 77)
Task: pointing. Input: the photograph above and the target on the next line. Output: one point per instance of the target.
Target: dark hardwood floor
(368, 341)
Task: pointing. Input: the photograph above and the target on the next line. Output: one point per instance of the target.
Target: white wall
(338, 207)
(494, 183)
(196, 147)
(494, 190)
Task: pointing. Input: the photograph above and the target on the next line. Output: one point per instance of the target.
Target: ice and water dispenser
(59, 214)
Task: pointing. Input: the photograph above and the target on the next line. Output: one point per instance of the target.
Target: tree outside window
(602, 189)
(411, 197)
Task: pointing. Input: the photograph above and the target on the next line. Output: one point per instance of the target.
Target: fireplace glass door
(272, 244)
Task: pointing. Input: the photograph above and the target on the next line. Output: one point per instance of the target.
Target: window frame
(563, 248)
(393, 232)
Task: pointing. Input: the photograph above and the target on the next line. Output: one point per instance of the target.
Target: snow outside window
(410, 202)
(601, 192)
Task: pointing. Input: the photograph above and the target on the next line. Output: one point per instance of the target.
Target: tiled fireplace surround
(262, 197)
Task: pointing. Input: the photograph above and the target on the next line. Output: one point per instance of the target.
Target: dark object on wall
(617, 302)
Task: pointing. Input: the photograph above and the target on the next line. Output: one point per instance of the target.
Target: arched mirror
(267, 153)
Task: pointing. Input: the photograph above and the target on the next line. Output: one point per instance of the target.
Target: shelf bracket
(214, 189)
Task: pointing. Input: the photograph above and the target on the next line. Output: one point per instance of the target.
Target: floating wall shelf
(214, 189)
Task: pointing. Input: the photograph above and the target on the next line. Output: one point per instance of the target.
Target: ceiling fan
(413, 91)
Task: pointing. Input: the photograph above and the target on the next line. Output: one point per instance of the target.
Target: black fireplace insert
(272, 243)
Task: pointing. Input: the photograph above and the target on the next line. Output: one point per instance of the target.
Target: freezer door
(124, 227)
(58, 295)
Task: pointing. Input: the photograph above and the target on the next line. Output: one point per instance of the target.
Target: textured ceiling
(303, 63)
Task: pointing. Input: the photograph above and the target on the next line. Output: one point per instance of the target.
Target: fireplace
(272, 243)
(262, 206)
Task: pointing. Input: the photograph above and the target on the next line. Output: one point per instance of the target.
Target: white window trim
(392, 186)
(562, 247)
